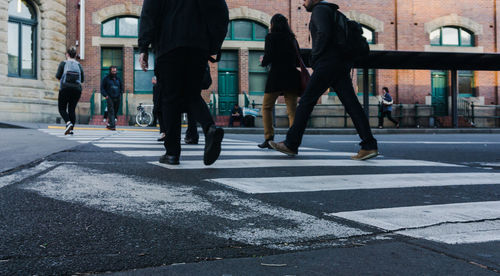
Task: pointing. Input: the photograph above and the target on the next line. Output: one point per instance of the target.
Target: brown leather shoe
(365, 155)
(281, 147)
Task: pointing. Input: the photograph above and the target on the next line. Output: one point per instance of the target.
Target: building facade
(106, 34)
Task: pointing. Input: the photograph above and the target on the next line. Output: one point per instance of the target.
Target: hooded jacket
(323, 32)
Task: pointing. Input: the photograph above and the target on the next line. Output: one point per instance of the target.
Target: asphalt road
(430, 204)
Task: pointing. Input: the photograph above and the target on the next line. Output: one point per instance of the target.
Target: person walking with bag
(70, 73)
(330, 42)
(184, 35)
(283, 78)
(386, 102)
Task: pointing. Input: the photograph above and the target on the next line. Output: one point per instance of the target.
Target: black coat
(281, 55)
(323, 27)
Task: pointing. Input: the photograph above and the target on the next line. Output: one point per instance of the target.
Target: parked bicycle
(143, 118)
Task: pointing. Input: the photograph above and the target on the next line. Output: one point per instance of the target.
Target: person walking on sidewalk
(112, 90)
(330, 69)
(283, 78)
(184, 34)
(70, 74)
(386, 102)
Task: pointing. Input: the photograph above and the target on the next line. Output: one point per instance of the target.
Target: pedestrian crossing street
(453, 223)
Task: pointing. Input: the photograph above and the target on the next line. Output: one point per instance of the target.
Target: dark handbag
(206, 82)
(304, 73)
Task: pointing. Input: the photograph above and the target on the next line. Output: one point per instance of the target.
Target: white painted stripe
(153, 141)
(159, 145)
(150, 153)
(401, 218)
(295, 162)
(263, 185)
(23, 174)
(251, 221)
(460, 233)
(422, 142)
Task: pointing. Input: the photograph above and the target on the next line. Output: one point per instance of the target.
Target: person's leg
(347, 96)
(73, 101)
(291, 106)
(62, 104)
(231, 120)
(192, 130)
(116, 104)
(111, 113)
(322, 77)
(389, 116)
(242, 120)
(267, 114)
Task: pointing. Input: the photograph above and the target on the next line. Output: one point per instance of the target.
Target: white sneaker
(69, 128)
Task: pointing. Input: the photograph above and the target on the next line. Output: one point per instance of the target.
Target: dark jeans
(180, 73)
(337, 75)
(236, 118)
(67, 101)
(113, 108)
(389, 116)
(192, 130)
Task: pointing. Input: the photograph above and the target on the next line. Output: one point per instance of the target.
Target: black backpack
(216, 15)
(350, 39)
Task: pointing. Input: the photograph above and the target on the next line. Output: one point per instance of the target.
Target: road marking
(250, 221)
(295, 162)
(157, 146)
(147, 142)
(421, 142)
(264, 185)
(257, 152)
(432, 219)
(25, 173)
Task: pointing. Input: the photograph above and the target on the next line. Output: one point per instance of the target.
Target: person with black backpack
(336, 42)
(184, 35)
(70, 74)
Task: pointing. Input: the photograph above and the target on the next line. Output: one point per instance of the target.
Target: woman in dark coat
(283, 78)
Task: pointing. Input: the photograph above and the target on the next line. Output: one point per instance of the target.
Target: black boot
(265, 144)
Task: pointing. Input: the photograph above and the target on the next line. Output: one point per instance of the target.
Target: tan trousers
(267, 110)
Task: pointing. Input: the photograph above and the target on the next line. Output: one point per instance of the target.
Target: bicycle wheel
(143, 119)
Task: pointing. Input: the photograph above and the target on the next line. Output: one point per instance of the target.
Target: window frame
(373, 42)
(262, 71)
(33, 23)
(459, 29)
(254, 24)
(117, 27)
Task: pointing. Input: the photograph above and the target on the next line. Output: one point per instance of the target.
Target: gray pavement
(99, 202)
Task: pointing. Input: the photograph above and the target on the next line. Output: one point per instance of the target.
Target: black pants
(67, 101)
(113, 108)
(192, 130)
(389, 116)
(180, 73)
(337, 75)
(236, 118)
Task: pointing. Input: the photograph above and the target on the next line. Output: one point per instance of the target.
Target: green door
(111, 57)
(440, 93)
(228, 82)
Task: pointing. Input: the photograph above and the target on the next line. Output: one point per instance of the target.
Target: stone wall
(34, 100)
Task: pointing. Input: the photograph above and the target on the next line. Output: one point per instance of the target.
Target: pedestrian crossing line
(264, 185)
(456, 223)
(295, 162)
(158, 146)
(257, 152)
(146, 142)
(423, 142)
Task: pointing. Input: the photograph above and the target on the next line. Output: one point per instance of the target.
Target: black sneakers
(190, 141)
(69, 128)
(169, 159)
(213, 141)
(265, 145)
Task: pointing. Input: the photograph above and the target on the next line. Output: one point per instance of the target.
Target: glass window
(466, 83)
(451, 36)
(436, 37)
(257, 75)
(142, 80)
(128, 26)
(109, 28)
(368, 34)
(21, 44)
(229, 61)
(246, 30)
(371, 81)
(466, 38)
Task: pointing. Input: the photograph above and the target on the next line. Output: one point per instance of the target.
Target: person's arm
(60, 70)
(266, 60)
(82, 75)
(104, 93)
(151, 12)
(322, 20)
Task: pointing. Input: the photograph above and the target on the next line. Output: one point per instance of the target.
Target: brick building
(106, 34)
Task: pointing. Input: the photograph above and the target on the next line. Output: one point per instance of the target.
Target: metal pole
(454, 99)
(366, 91)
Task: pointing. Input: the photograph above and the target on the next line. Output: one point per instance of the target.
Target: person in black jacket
(112, 90)
(283, 78)
(70, 90)
(181, 33)
(330, 69)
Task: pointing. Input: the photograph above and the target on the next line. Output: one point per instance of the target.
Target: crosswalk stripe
(157, 146)
(293, 162)
(146, 142)
(151, 153)
(422, 142)
(427, 220)
(264, 185)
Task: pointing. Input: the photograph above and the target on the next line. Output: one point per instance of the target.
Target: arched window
(452, 36)
(22, 39)
(246, 30)
(126, 26)
(369, 34)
